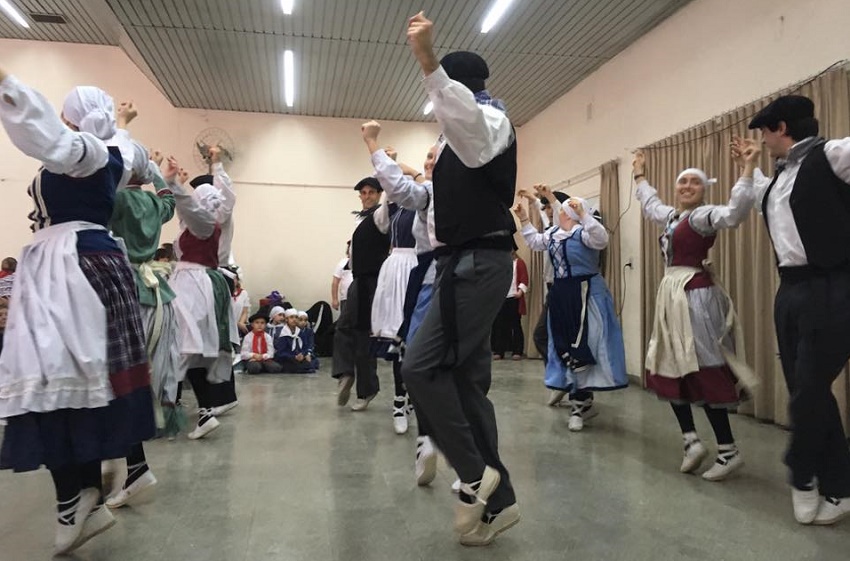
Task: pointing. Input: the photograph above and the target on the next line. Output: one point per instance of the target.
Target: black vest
(472, 202)
(820, 203)
(369, 248)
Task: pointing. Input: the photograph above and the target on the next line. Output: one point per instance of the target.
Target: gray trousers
(454, 401)
(352, 338)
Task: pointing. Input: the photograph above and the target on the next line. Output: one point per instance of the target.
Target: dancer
(585, 342)
(806, 207)
(137, 219)
(401, 184)
(206, 332)
(388, 306)
(352, 359)
(447, 366)
(693, 352)
(74, 306)
(540, 335)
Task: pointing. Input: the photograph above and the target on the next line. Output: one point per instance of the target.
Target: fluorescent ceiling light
(13, 13)
(495, 14)
(428, 108)
(289, 78)
(286, 6)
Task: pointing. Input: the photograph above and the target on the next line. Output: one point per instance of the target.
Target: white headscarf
(291, 312)
(572, 214)
(275, 311)
(91, 110)
(209, 197)
(141, 167)
(706, 182)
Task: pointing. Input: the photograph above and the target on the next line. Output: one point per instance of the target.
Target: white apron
(671, 351)
(54, 354)
(196, 322)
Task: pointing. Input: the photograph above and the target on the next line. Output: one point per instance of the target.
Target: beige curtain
(609, 206)
(743, 258)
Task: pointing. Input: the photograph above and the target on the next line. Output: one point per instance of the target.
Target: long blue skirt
(605, 338)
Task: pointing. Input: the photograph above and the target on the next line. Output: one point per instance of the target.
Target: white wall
(711, 56)
(294, 175)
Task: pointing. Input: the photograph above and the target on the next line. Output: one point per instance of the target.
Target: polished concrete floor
(290, 476)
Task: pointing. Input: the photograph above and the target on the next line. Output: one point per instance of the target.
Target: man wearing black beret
(806, 208)
(352, 361)
(447, 367)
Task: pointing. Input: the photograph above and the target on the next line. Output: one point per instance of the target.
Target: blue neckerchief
(484, 98)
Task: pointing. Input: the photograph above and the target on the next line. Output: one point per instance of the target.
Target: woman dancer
(388, 306)
(585, 343)
(691, 357)
(204, 317)
(86, 395)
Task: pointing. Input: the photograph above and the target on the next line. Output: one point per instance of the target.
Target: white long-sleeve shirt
(593, 235)
(705, 219)
(248, 346)
(783, 228)
(476, 133)
(36, 130)
(224, 214)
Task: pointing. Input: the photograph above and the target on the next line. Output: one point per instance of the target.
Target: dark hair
(10, 264)
(161, 253)
(798, 130)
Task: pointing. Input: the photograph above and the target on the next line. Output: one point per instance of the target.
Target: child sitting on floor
(258, 348)
(308, 340)
(289, 348)
(278, 322)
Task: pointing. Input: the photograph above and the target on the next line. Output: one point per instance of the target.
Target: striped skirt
(76, 436)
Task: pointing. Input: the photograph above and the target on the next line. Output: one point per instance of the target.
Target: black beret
(368, 182)
(560, 195)
(200, 180)
(258, 315)
(467, 68)
(788, 108)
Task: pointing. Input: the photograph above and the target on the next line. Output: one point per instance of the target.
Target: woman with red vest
(692, 355)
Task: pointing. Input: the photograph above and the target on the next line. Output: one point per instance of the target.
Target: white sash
(54, 354)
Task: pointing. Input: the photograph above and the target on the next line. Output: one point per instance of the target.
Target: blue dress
(574, 262)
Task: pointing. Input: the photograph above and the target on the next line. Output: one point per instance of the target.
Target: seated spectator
(257, 348)
(278, 322)
(7, 276)
(308, 340)
(289, 349)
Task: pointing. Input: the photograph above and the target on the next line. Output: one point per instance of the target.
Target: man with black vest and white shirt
(447, 367)
(352, 360)
(806, 207)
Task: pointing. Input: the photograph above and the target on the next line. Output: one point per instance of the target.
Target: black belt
(808, 272)
(448, 303)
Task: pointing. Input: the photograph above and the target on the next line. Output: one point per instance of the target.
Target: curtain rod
(583, 176)
(845, 63)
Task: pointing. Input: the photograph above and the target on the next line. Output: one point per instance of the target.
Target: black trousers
(540, 335)
(812, 315)
(352, 356)
(507, 334)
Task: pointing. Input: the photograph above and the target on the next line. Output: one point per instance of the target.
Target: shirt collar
(798, 152)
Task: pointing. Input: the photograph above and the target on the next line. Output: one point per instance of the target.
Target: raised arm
(593, 233)
(223, 183)
(653, 208)
(36, 130)
(400, 188)
(382, 214)
(708, 219)
(476, 133)
(200, 221)
(164, 195)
